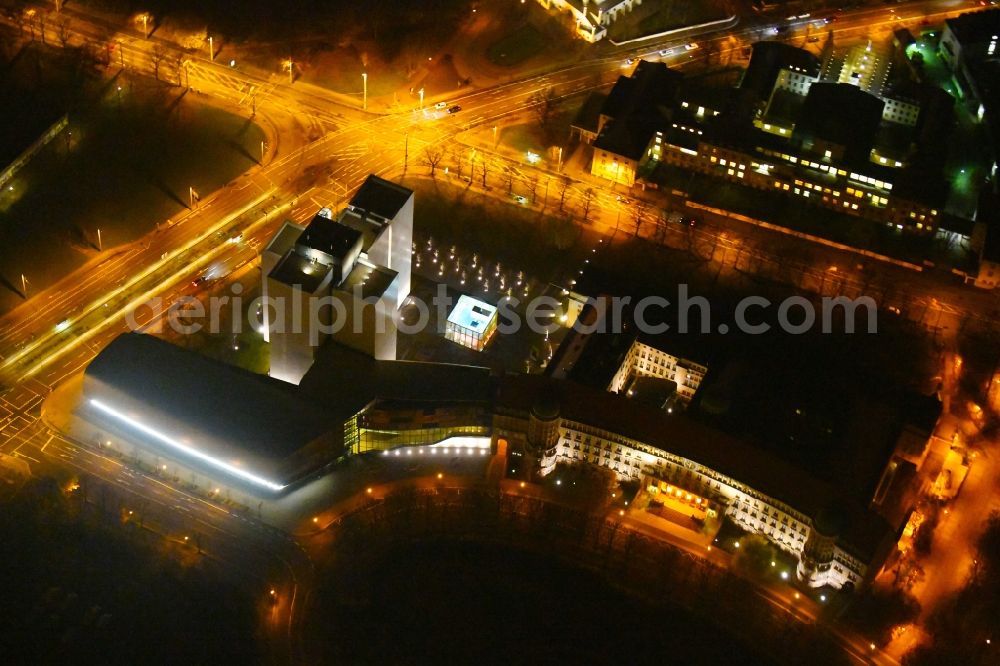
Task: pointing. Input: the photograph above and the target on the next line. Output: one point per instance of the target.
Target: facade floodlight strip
(187, 450)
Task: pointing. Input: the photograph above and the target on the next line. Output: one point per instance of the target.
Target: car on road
(454, 109)
(813, 39)
(665, 52)
(521, 200)
(691, 46)
(441, 105)
(629, 62)
(623, 200)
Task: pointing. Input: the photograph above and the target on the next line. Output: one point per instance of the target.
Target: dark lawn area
(80, 587)
(465, 602)
(521, 44)
(123, 165)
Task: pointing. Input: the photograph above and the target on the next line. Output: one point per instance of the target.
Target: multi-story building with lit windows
(645, 360)
(786, 129)
(635, 109)
(227, 431)
(591, 18)
(838, 543)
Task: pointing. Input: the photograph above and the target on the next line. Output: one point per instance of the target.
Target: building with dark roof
(228, 426)
(586, 122)
(970, 44)
(759, 492)
(223, 423)
(637, 106)
(337, 273)
(839, 123)
(220, 426)
(769, 61)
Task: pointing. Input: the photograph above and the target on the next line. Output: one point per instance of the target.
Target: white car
(441, 105)
(690, 46)
(665, 52)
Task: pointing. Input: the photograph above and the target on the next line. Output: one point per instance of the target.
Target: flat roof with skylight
(471, 323)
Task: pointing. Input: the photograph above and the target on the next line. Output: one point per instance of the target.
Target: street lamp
(494, 136)
(291, 69)
(211, 48)
(421, 99)
(364, 79)
(144, 17)
(559, 167)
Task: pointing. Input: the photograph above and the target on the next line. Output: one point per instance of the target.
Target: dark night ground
(464, 602)
(76, 587)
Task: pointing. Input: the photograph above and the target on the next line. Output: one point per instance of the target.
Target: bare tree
(484, 170)
(508, 180)
(543, 107)
(588, 201)
(62, 31)
(432, 157)
(458, 154)
(638, 211)
(532, 185)
(156, 57)
(41, 24)
(564, 185)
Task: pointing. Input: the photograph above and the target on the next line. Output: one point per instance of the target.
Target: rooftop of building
(372, 280)
(284, 240)
(232, 414)
(652, 391)
(368, 227)
(903, 37)
(843, 114)
(988, 213)
(824, 405)
(471, 314)
(380, 197)
(767, 61)
(221, 410)
(293, 269)
(329, 237)
(975, 27)
(343, 375)
(588, 117)
(638, 105)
